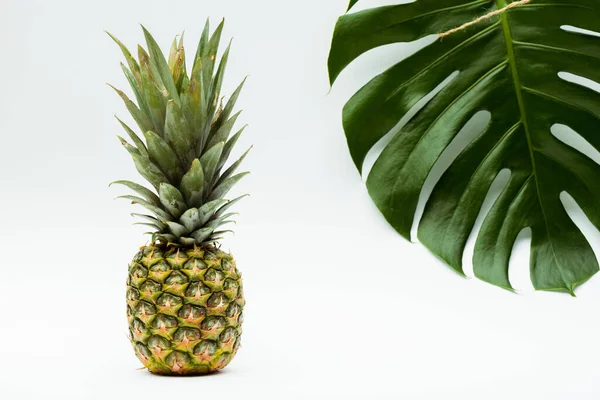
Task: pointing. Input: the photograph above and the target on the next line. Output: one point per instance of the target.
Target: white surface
(339, 306)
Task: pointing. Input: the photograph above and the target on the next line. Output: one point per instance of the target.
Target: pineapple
(184, 295)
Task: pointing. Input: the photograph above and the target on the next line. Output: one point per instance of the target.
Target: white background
(339, 305)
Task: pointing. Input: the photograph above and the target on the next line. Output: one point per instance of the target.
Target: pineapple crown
(187, 140)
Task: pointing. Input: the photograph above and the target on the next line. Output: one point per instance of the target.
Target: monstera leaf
(510, 66)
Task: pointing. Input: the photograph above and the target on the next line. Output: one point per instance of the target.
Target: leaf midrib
(510, 51)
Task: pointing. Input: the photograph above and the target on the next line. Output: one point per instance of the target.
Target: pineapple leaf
(178, 133)
(215, 90)
(148, 170)
(209, 57)
(228, 205)
(135, 86)
(134, 137)
(186, 241)
(177, 229)
(133, 64)
(207, 211)
(223, 133)
(179, 73)
(135, 112)
(192, 184)
(141, 190)
(203, 43)
(209, 161)
(224, 115)
(164, 237)
(229, 171)
(150, 224)
(156, 100)
(172, 56)
(201, 234)
(131, 149)
(172, 199)
(152, 219)
(191, 219)
(228, 147)
(160, 64)
(223, 188)
(164, 156)
(159, 212)
(220, 220)
(193, 104)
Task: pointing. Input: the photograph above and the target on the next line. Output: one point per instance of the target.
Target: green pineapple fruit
(184, 295)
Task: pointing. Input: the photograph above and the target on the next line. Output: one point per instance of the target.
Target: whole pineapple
(184, 295)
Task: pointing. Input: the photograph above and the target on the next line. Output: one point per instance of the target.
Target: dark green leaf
(508, 65)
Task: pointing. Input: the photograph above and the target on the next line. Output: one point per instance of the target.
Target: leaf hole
(573, 139)
(574, 29)
(376, 150)
(580, 80)
(473, 128)
(582, 222)
(519, 273)
(374, 62)
(495, 190)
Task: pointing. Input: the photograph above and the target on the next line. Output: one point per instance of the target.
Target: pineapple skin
(185, 309)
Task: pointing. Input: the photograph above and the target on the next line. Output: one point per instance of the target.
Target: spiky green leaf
(160, 64)
(140, 118)
(210, 160)
(135, 138)
(192, 184)
(162, 214)
(223, 188)
(178, 133)
(172, 199)
(163, 155)
(146, 193)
